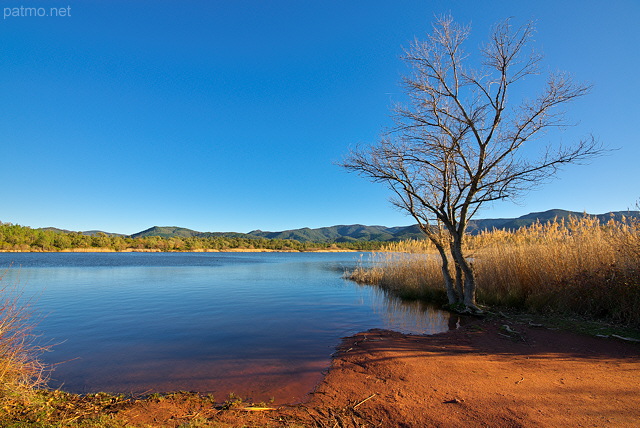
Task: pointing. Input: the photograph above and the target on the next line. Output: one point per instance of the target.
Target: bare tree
(458, 143)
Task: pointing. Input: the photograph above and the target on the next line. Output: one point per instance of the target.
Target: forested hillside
(352, 237)
(358, 232)
(21, 238)
(381, 233)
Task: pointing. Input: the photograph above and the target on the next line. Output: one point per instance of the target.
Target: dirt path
(481, 375)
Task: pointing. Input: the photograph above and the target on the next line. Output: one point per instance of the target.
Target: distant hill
(342, 233)
(359, 232)
(167, 232)
(87, 232)
(476, 226)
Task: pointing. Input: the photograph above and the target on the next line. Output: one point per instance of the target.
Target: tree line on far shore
(22, 238)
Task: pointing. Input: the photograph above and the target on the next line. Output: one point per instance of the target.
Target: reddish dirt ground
(480, 375)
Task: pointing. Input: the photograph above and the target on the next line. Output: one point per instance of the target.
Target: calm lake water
(260, 325)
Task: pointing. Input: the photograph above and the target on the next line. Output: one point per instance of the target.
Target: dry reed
(579, 266)
(409, 269)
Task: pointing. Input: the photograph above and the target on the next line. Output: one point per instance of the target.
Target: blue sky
(230, 115)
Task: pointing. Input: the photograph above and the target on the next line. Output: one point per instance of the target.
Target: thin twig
(366, 399)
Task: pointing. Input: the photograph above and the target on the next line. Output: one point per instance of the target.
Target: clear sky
(230, 115)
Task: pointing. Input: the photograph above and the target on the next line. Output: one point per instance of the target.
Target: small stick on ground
(366, 399)
(257, 408)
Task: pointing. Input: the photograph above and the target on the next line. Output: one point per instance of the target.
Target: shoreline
(482, 374)
(153, 250)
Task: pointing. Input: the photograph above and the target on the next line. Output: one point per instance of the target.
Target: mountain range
(358, 232)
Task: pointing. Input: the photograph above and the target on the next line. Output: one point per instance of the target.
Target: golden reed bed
(578, 266)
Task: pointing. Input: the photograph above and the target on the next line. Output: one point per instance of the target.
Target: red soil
(480, 375)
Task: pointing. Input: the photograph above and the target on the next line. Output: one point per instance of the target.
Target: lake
(260, 325)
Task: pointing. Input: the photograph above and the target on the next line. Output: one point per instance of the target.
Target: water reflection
(412, 316)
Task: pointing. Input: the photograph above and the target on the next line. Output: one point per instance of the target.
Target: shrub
(21, 372)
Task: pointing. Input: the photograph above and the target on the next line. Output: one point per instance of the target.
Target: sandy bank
(476, 376)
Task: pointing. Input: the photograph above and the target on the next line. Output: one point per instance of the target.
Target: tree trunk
(459, 280)
(452, 296)
(469, 286)
(469, 292)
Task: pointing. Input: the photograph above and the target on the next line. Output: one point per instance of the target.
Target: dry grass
(578, 266)
(21, 372)
(409, 269)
